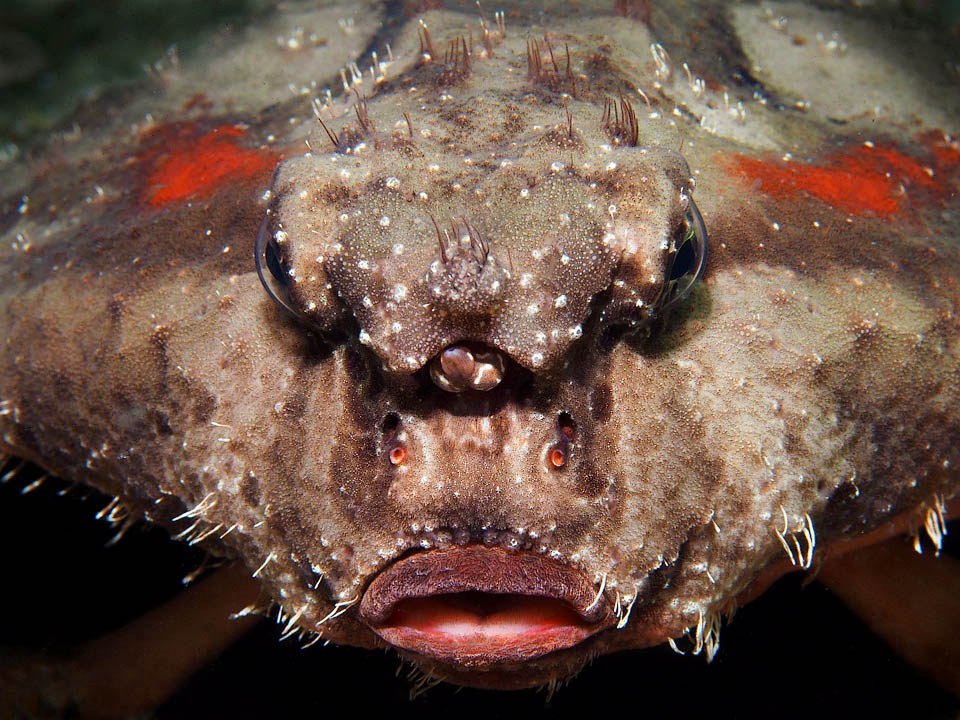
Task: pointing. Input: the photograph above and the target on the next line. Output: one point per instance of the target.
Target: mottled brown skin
(810, 374)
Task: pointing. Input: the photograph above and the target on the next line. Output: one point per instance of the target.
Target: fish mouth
(477, 606)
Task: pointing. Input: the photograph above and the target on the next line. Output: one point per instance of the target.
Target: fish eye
(270, 268)
(688, 259)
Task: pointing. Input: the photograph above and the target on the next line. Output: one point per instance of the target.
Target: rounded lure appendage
(459, 368)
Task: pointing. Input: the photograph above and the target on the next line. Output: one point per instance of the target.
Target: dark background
(794, 652)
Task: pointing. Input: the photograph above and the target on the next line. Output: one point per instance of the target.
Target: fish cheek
(671, 475)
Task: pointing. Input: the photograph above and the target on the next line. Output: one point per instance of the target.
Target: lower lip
(484, 628)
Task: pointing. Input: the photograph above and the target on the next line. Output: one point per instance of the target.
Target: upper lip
(519, 605)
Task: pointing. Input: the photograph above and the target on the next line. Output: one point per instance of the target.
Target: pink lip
(476, 606)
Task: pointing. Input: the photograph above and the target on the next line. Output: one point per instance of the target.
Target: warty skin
(808, 382)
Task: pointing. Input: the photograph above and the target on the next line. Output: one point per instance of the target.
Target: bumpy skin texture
(809, 375)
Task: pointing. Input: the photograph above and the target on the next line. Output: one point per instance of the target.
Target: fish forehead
(779, 394)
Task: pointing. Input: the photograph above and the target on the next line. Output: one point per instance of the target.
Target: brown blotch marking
(515, 121)
(900, 436)
(176, 239)
(294, 406)
(116, 307)
(794, 426)
(564, 136)
(335, 193)
(601, 403)
(868, 336)
(203, 406)
(746, 238)
(161, 423)
(459, 117)
(355, 364)
(250, 490)
(360, 464)
(638, 10)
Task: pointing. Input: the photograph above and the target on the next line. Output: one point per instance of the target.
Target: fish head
(519, 465)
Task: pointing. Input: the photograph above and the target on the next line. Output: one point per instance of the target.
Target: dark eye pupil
(689, 259)
(273, 263)
(684, 260)
(270, 268)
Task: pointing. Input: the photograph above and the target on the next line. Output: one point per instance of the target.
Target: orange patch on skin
(945, 149)
(557, 457)
(856, 179)
(398, 455)
(198, 166)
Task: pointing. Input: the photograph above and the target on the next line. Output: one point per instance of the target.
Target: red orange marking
(869, 178)
(197, 166)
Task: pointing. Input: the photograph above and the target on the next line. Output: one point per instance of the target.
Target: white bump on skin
(561, 301)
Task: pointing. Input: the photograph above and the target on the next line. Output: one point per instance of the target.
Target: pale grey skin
(811, 379)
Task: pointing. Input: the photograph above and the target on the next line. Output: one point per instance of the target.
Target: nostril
(560, 450)
(391, 421)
